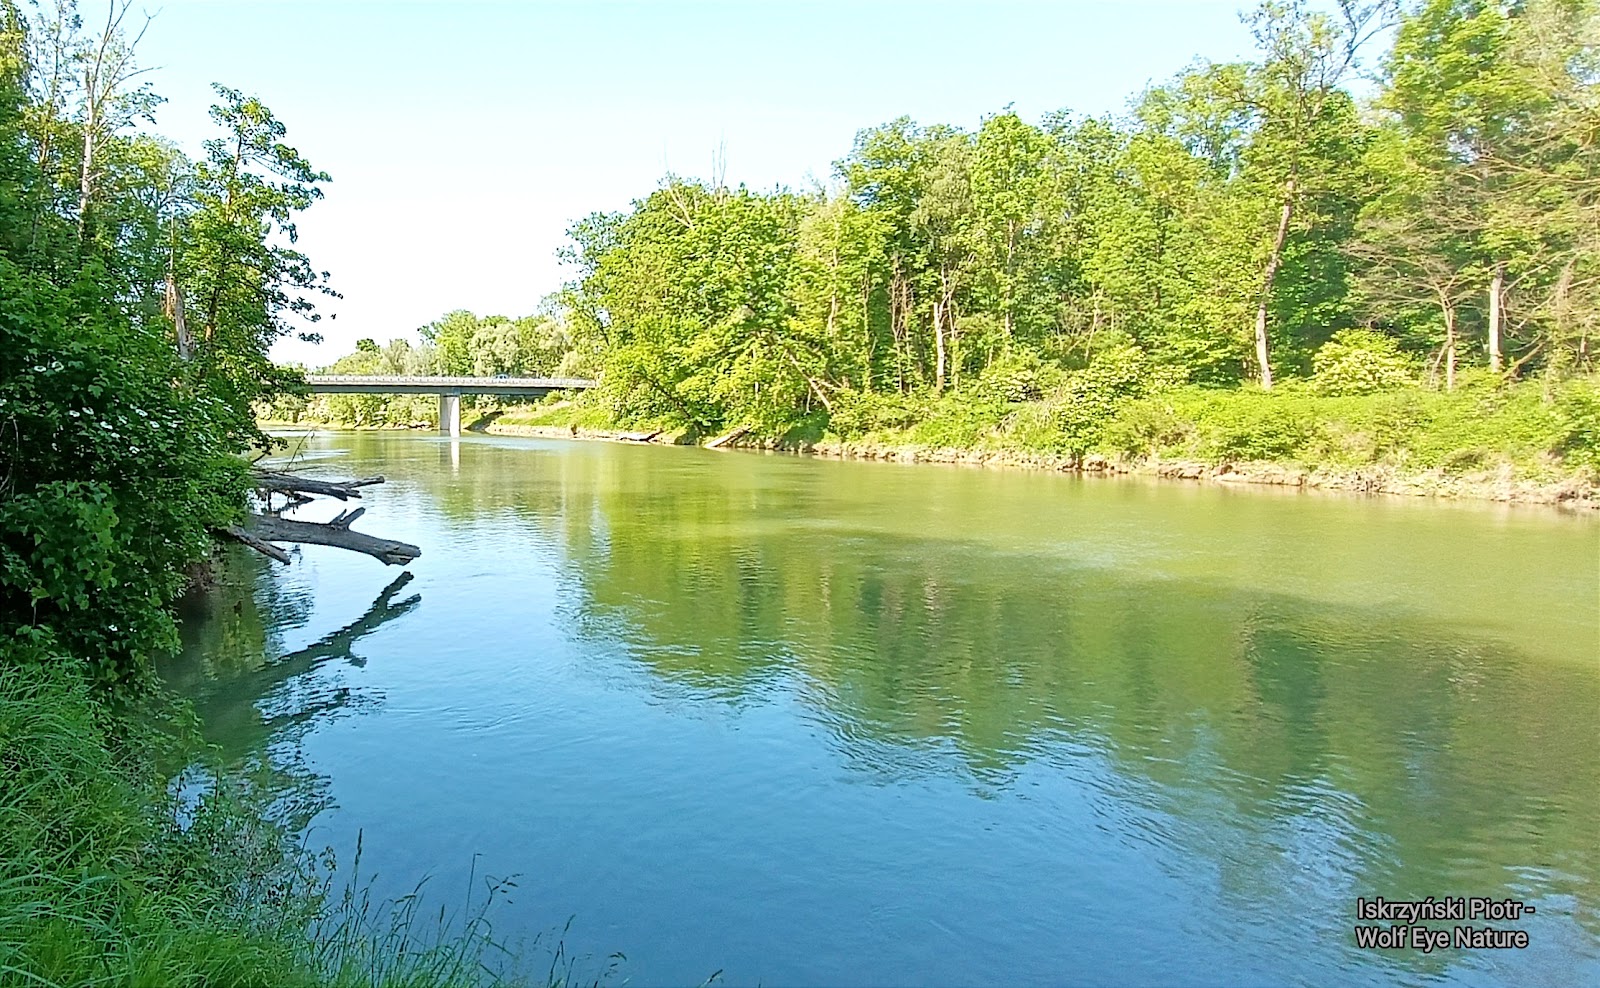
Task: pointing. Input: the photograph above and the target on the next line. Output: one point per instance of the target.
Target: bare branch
(283, 483)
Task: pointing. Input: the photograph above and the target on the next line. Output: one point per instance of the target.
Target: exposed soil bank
(1488, 485)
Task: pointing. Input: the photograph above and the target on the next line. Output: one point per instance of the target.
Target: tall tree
(1297, 98)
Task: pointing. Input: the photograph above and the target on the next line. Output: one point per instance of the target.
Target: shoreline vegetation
(1497, 444)
(140, 292)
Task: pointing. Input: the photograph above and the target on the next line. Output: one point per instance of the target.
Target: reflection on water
(818, 722)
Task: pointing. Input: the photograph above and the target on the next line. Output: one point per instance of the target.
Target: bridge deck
(440, 385)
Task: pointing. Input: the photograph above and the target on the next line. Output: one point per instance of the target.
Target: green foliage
(861, 413)
(112, 476)
(1256, 425)
(1090, 398)
(1145, 427)
(1018, 376)
(1577, 411)
(1361, 362)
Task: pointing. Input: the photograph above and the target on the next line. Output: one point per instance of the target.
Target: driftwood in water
(271, 528)
(260, 530)
(638, 437)
(729, 437)
(283, 483)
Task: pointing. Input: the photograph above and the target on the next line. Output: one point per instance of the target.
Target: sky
(464, 138)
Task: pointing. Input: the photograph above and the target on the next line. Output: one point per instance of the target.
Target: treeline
(1230, 225)
(1245, 227)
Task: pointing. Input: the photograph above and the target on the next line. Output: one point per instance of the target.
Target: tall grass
(104, 881)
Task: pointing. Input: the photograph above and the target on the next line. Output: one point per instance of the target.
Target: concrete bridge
(449, 389)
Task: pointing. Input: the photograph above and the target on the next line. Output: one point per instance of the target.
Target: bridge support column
(450, 415)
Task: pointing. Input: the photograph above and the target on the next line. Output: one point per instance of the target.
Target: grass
(108, 878)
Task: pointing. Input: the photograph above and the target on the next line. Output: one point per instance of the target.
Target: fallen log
(283, 483)
(638, 437)
(265, 548)
(729, 437)
(259, 530)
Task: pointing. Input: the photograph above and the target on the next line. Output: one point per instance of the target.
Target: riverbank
(1502, 484)
(1535, 442)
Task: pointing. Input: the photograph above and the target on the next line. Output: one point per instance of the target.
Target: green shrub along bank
(1121, 409)
(1361, 409)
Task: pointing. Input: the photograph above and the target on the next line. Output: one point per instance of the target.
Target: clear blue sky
(463, 138)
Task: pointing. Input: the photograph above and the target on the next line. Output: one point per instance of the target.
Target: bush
(1091, 397)
(858, 413)
(1015, 377)
(1360, 362)
(1143, 428)
(1257, 425)
(1577, 411)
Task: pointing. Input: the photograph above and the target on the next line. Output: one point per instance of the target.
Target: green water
(810, 722)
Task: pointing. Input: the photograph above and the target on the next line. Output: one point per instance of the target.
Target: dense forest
(1402, 203)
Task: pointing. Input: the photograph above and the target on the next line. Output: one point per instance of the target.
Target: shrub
(1360, 362)
(1577, 410)
(1144, 427)
(1091, 397)
(857, 413)
(1257, 425)
(1015, 377)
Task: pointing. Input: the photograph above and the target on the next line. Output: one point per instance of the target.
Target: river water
(812, 722)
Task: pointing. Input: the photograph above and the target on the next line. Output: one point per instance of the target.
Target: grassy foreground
(109, 877)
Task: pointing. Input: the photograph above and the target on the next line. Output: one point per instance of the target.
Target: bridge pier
(450, 414)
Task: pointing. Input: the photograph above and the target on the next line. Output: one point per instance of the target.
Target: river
(815, 722)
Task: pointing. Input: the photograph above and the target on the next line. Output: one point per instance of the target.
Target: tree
(1300, 114)
(248, 290)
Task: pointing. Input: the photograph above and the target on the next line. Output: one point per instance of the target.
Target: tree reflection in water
(257, 707)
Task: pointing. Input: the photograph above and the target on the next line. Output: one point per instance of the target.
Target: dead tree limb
(265, 548)
(336, 533)
(261, 529)
(729, 437)
(283, 483)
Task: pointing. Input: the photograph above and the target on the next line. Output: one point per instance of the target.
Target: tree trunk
(1010, 288)
(1449, 348)
(1263, 357)
(938, 344)
(1497, 286)
(261, 530)
(180, 324)
(283, 483)
(86, 173)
